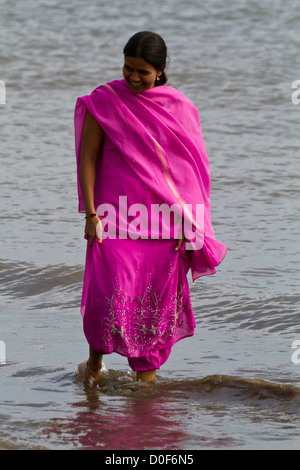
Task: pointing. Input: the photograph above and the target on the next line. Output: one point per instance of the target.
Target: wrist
(89, 208)
(89, 215)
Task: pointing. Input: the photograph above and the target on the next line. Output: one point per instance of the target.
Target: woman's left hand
(179, 242)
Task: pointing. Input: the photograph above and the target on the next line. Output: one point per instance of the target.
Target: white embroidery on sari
(138, 323)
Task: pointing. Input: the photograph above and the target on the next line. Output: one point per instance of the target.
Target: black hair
(152, 49)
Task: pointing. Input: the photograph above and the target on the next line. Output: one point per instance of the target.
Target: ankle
(146, 375)
(95, 360)
(93, 367)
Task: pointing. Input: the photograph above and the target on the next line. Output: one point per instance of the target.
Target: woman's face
(139, 75)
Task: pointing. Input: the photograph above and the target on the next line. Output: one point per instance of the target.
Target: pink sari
(136, 297)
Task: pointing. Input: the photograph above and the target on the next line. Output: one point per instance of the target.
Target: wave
(170, 413)
(20, 280)
(212, 387)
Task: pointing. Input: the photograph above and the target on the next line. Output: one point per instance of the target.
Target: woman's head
(145, 60)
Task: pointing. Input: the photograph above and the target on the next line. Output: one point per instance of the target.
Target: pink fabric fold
(158, 135)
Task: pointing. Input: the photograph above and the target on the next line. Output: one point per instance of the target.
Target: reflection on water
(169, 414)
(180, 414)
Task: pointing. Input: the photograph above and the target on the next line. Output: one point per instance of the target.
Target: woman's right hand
(90, 229)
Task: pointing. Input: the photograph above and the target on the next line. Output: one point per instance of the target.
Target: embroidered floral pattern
(133, 326)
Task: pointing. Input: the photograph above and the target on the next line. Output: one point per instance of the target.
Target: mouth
(135, 84)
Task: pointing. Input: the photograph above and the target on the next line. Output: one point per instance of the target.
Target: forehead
(138, 63)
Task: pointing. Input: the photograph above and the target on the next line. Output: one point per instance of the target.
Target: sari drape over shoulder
(135, 293)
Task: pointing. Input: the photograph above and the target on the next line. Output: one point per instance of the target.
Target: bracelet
(90, 215)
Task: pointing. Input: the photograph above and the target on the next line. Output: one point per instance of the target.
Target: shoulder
(181, 97)
(177, 103)
(172, 94)
(100, 96)
(112, 86)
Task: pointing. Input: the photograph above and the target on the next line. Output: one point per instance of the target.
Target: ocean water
(236, 383)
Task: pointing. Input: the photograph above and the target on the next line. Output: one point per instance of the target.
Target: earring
(158, 78)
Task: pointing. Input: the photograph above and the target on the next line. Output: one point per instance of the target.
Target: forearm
(91, 142)
(87, 175)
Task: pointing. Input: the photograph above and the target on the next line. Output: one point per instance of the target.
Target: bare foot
(93, 367)
(88, 374)
(146, 376)
(92, 375)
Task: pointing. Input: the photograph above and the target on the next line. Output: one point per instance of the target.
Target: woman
(139, 148)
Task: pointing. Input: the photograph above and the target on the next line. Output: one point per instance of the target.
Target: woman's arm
(91, 141)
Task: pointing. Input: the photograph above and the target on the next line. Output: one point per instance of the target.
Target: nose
(134, 77)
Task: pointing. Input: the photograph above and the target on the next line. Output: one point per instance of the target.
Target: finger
(99, 231)
(178, 244)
